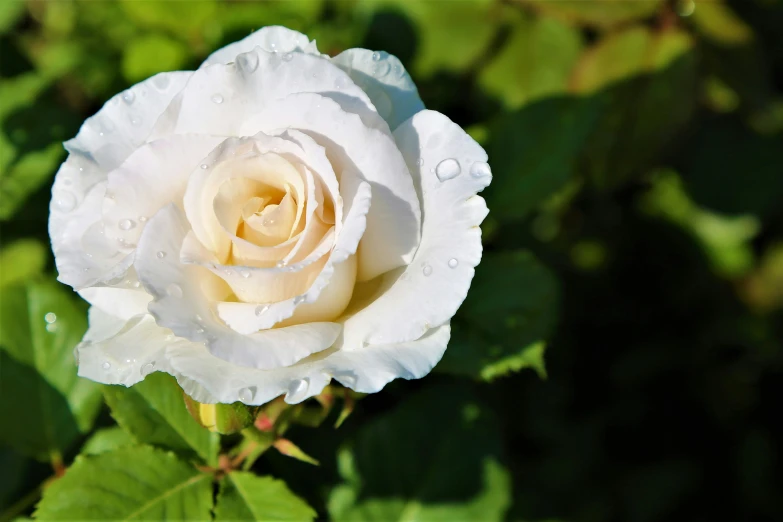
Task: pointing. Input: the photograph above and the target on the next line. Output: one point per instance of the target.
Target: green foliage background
(618, 357)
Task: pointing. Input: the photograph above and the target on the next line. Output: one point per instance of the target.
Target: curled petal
(449, 168)
(180, 303)
(203, 376)
(358, 150)
(385, 80)
(272, 39)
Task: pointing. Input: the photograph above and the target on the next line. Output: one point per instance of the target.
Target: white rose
(274, 220)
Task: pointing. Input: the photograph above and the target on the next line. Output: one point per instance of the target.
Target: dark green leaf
(533, 152)
(603, 13)
(129, 484)
(244, 496)
(505, 320)
(40, 324)
(436, 457)
(154, 412)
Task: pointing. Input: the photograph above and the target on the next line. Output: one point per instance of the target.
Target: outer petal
(272, 39)
(393, 222)
(180, 304)
(209, 379)
(103, 143)
(429, 291)
(385, 80)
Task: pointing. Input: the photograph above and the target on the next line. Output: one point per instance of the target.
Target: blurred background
(619, 355)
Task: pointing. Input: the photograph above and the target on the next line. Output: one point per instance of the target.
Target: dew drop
(65, 201)
(143, 219)
(51, 328)
(161, 81)
(288, 57)
(299, 299)
(245, 273)
(248, 62)
(174, 290)
(204, 166)
(106, 365)
(128, 97)
(50, 317)
(161, 254)
(135, 121)
(126, 224)
(297, 390)
(261, 309)
(376, 56)
(480, 170)
(147, 369)
(217, 98)
(453, 263)
(447, 169)
(426, 270)
(420, 162)
(382, 69)
(245, 395)
(279, 264)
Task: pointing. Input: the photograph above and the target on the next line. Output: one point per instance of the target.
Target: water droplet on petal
(161, 81)
(376, 56)
(420, 162)
(480, 169)
(161, 254)
(135, 121)
(453, 263)
(204, 166)
(65, 201)
(261, 309)
(143, 219)
(248, 62)
(288, 57)
(279, 264)
(147, 369)
(128, 97)
(217, 98)
(382, 69)
(447, 169)
(299, 299)
(245, 395)
(126, 224)
(426, 270)
(174, 290)
(106, 365)
(50, 317)
(297, 390)
(245, 273)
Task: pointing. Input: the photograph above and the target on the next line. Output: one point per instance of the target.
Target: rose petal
(429, 291)
(393, 222)
(209, 379)
(180, 304)
(385, 80)
(272, 39)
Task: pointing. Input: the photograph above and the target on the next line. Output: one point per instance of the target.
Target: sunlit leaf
(244, 496)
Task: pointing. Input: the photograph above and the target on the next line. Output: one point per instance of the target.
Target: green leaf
(154, 412)
(22, 260)
(107, 439)
(443, 465)
(244, 496)
(498, 330)
(183, 19)
(10, 12)
(40, 324)
(631, 74)
(534, 152)
(150, 54)
(535, 63)
(128, 484)
(605, 13)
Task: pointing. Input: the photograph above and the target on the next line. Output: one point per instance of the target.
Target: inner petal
(270, 225)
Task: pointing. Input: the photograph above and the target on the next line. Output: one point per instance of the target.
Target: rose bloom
(274, 220)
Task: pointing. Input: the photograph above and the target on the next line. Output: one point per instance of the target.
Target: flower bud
(222, 418)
